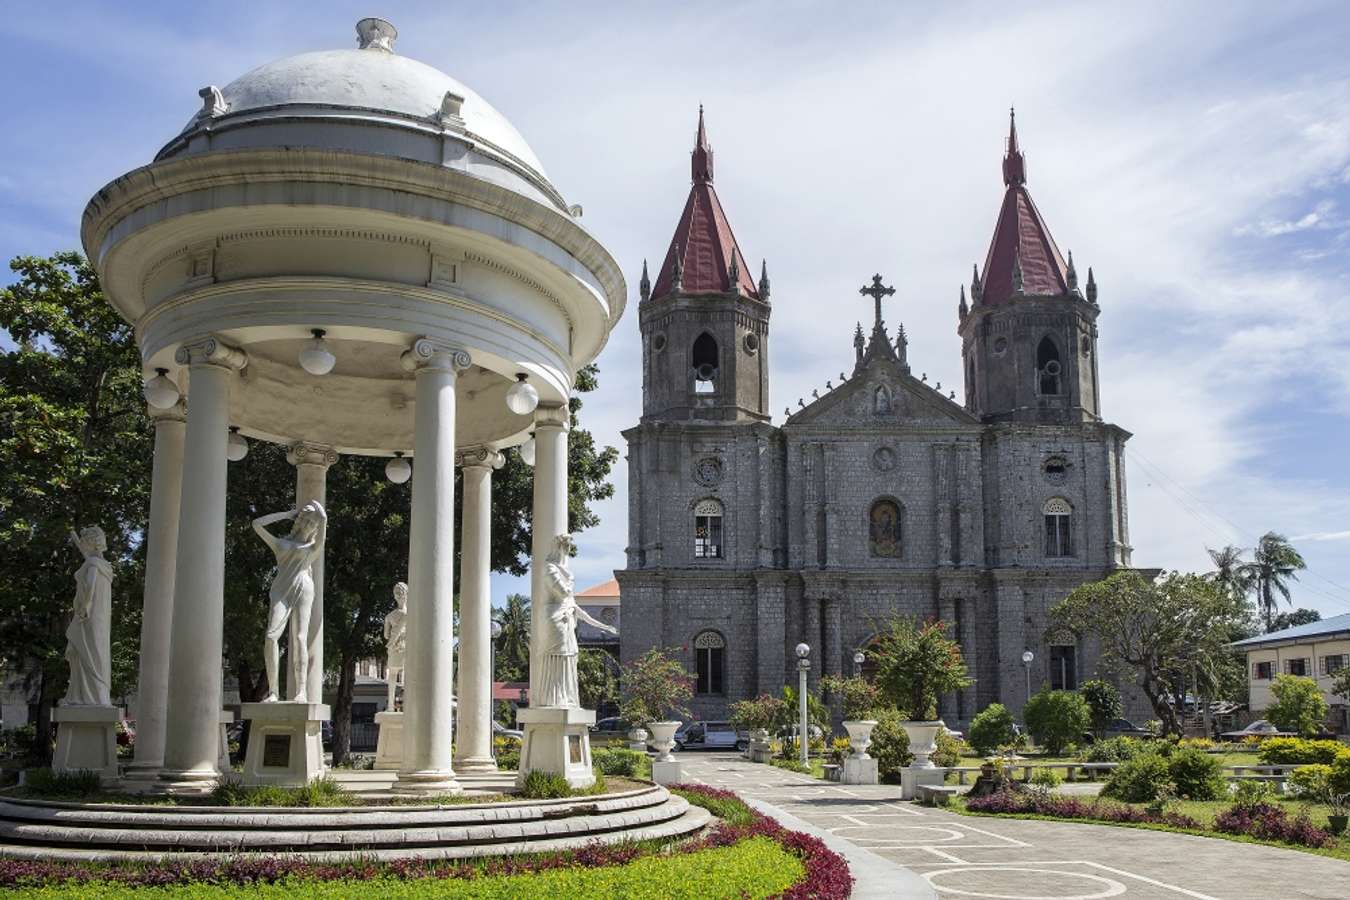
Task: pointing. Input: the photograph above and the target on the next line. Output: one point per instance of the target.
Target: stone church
(884, 495)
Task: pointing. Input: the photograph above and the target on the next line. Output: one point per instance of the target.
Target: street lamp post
(496, 628)
(1027, 657)
(803, 666)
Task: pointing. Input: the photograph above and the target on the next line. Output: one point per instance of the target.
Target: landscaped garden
(744, 854)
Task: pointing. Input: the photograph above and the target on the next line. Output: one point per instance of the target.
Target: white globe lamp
(236, 448)
(398, 470)
(160, 391)
(316, 358)
(527, 451)
(522, 398)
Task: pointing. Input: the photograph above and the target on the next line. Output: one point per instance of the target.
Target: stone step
(388, 833)
(683, 820)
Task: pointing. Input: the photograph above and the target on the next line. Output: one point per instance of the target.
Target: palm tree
(1230, 572)
(1274, 564)
(513, 645)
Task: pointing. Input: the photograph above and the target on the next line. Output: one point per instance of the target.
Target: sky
(1195, 155)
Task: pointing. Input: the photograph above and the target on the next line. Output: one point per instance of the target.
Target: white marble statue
(558, 643)
(292, 593)
(396, 639)
(87, 638)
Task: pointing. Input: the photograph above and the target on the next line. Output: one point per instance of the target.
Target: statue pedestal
(670, 771)
(389, 747)
(860, 770)
(86, 740)
(558, 741)
(285, 746)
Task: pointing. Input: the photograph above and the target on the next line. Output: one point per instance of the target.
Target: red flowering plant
(655, 686)
(916, 663)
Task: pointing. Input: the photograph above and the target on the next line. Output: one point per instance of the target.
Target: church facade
(884, 495)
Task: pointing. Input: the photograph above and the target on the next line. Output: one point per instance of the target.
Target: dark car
(1261, 728)
(1125, 728)
(610, 727)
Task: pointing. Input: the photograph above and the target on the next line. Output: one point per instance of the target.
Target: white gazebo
(346, 252)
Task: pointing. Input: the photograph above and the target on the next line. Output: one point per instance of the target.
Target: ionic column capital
(175, 413)
(551, 415)
(485, 457)
(433, 353)
(307, 453)
(210, 351)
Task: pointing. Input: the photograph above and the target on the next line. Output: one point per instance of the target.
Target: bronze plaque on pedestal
(276, 751)
(574, 748)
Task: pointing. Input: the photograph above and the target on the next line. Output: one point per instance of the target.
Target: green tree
(1274, 564)
(1341, 685)
(1057, 718)
(1294, 618)
(1299, 705)
(655, 686)
(1103, 702)
(992, 728)
(916, 663)
(75, 449)
(596, 678)
(858, 696)
(1162, 633)
(1230, 572)
(513, 644)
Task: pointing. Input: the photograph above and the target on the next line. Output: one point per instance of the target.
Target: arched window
(1048, 368)
(883, 529)
(704, 363)
(1058, 527)
(710, 650)
(708, 529)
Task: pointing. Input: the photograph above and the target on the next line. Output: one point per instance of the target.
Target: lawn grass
(758, 867)
(1203, 811)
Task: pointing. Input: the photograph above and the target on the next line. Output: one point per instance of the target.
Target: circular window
(1087, 345)
(658, 342)
(1056, 470)
(751, 343)
(1000, 346)
(1052, 367)
(708, 470)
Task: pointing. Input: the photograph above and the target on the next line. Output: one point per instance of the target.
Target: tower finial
(702, 163)
(763, 279)
(976, 288)
(1091, 288)
(1014, 162)
(858, 343)
(645, 285)
(962, 309)
(1071, 275)
(734, 275)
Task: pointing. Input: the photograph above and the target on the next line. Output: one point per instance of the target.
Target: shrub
(1117, 749)
(1298, 706)
(61, 785)
(1103, 702)
(1196, 774)
(1253, 793)
(949, 749)
(1061, 807)
(917, 662)
(619, 761)
(1340, 774)
(860, 697)
(541, 785)
(1057, 719)
(1197, 743)
(890, 745)
(992, 728)
(1268, 822)
(1311, 782)
(1285, 751)
(1046, 778)
(764, 711)
(655, 686)
(1137, 780)
(18, 743)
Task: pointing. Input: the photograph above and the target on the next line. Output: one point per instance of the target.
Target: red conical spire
(703, 250)
(702, 161)
(1014, 163)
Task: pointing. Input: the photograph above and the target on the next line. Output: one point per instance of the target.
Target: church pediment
(882, 394)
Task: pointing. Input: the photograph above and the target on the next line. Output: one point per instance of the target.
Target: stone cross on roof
(876, 291)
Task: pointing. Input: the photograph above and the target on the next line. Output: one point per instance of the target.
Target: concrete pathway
(1016, 859)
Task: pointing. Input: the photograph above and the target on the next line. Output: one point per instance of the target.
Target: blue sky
(1196, 155)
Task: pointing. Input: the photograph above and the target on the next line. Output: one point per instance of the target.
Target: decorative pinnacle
(858, 343)
(962, 308)
(376, 34)
(976, 288)
(701, 164)
(1019, 283)
(1014, 163)
(1091, 288)
(645, 284)
(763, 280)
(1072, 275)
(677, 276)
(734, 274)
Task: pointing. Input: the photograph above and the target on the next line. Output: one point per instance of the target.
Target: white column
(428, 686)
(550, 519)
(311, 463)
(473, 743)
(161, 551)
(192, 729)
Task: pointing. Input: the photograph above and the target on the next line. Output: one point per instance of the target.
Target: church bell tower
(705, 321)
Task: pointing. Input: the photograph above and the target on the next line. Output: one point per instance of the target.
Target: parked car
(1125, 728)
(710, 736)
(500, 730)
(610, 727)
(1261, 728)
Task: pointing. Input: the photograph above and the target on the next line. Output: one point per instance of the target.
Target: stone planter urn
(922, 741)
(860, 736)
(637, 739)
(759, 745)
(663, 738)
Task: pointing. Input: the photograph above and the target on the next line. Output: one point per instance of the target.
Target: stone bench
(831, 772)
(936, 794)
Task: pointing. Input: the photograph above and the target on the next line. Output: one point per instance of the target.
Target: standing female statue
(559, 641)
(292, 592)
(396, 640)
(87, 637)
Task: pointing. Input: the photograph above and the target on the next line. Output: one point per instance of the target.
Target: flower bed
(1267, 822)
(745, 854)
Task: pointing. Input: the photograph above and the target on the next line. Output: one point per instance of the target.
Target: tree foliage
(1294, 618)
(596, 678)
(992, 728)
(1057, 719)
(1164, 633)
(513, 644)
(1103, 702)
(916, 663)
(75, 450)
(1298, 705)
(655, 686)
(859, 697)
(1275, 563)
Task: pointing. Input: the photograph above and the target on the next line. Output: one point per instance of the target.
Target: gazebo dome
(334, 98)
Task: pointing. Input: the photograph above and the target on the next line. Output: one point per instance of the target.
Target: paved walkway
(1017, 859)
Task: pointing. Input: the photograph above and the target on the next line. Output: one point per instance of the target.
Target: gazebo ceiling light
(398, 470)
(236, 448)
(522, 398)
(527, 450)
(316, 358)
(160, 391)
